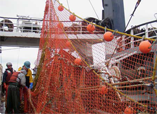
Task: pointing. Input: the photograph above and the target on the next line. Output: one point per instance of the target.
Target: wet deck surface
(2, 107)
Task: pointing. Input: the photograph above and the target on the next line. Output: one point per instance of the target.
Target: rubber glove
(26, 87)
(31, 85)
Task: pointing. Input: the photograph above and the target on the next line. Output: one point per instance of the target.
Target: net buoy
(103, 90)
(144, 46)
(72, 18)
(108, 36)
(60, 8)
(77, 61)
(128, 110)
(68, 44)
(90, 28)
(60, 25)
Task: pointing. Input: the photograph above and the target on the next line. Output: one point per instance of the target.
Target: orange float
(103, 90)
(60, 8)
(77, 61)
(60, 25)
(108, 36)
(68, 44)
(90, 28)
(72, 18)
(145, 46)
(128, 110)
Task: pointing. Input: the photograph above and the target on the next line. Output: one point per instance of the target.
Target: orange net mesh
(80, 72)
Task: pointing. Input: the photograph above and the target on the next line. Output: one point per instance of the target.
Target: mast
(113, 14)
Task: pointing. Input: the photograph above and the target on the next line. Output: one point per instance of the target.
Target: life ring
(7, 23)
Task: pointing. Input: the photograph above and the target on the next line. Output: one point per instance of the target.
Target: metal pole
(137, 4)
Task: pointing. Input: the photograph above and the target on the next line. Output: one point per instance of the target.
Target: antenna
(113, 14)
(137, 4)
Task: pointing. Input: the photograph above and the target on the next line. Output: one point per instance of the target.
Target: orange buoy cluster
(60, 8)
(145, 46)
(128, 110)
(103, 90)
(90, 28)
(71, 17)
(108, 36)
(77, 61)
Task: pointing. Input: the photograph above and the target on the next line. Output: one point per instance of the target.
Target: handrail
(10, 24)
(130, 42)
(141, 25)
(21, 18)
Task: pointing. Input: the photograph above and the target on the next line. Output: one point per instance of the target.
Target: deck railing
(146, 30)
(22, 24)
(25, 24)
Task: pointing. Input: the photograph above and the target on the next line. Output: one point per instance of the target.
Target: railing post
(80, 27)
(132, 38)
(3, 24)
(22, 27)
(146, 32)
(31, 26)
(17, 28)
(123, 42)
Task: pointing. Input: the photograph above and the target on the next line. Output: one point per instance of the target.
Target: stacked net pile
(79, 71)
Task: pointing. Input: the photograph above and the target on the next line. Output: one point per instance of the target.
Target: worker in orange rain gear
(17, 81)
(6, 76)
(29, 83)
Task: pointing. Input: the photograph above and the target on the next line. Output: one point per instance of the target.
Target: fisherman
(16, 81)
(29, 83)
(6, 76)
(29, 78)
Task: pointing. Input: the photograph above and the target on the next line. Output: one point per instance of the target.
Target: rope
(131, 81)
(94, 9)
(68, 5)
(137, 4)
(29, 99)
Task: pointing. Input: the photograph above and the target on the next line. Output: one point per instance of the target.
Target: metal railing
(25, 24)
(8, 24)
(146, 30)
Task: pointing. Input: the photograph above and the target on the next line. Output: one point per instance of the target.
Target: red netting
(79, 72)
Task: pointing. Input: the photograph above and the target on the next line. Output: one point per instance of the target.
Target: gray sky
(18, 56)
(35, 8)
